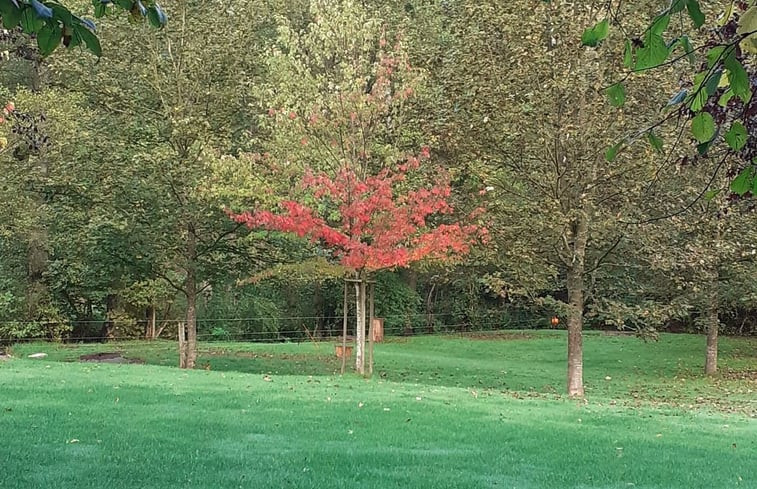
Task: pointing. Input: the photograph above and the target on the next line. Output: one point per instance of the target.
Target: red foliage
(370, 226)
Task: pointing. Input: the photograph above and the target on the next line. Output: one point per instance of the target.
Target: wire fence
(259, 329)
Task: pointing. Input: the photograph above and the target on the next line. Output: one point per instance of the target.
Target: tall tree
(518, 101)
(174, 113)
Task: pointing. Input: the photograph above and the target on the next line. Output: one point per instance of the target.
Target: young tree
(335, 106)
(701, 256)
(371, 223)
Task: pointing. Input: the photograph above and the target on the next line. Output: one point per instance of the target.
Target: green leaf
(100, 10)
(688, 48)
(660, 24)
(654, 53)
(594, 35)
(703, 148)
(738, 78)
(695, 13)
(628, 55)
(655, 141)
(698, 97)
(737, 136)
(714, 55)
(703, 127)
(711, 194)
(153, 17)
(744, 182)
(11, 14)
(617, 95)
(612, 151)
(49, 38)
(62, 13)
(124, 4)
(89, 39)
(725, 98)
(713, 82)
(30, 22)
(677, 6)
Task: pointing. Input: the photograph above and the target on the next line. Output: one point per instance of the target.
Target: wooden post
(182, 345)
(371, 293)
(344, 328)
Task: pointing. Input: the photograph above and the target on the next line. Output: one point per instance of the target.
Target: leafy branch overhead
(53, 23)
(716, 94)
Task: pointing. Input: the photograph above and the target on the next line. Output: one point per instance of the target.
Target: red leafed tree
(372, 223)
(337, 117)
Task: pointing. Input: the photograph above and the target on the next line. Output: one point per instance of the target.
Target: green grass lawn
(441, 412)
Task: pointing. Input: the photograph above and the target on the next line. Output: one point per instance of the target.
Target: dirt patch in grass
(109, 357)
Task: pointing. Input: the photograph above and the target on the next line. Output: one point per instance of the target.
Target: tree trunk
(151, 327)
(188, 354)
(575, 334)
(360, 326)
(575, 286)
(191, 350)
(107, 332)
(713, 325)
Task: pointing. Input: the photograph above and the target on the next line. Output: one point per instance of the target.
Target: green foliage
(243, 313)
(617, 95)
(593, 36)
(703, 127)
(655, 141)
(399, 304)
(736, 137)
(743, 182)
(695, 12)
(53, 23)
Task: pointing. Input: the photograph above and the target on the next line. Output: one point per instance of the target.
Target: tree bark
(360, 326)
(713, 325)
(151, 326)
(188, 355)
(110, 305)
(575, 286)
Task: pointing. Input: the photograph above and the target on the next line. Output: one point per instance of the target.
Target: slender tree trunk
(151, 326)
(575, 285)
(713, 325)
(360, 326)
(191, 351)
(575, 334)
(188, 355)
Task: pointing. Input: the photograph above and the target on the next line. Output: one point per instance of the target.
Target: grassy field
(441, 412)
